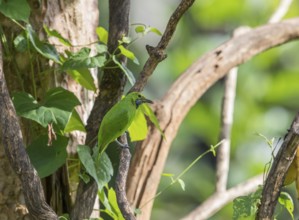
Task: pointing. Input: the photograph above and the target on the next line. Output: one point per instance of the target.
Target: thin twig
(281, 10)
(223, 153)
(157, 54)
(219, 199)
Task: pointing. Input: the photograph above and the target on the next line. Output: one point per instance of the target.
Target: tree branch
(223, 152)
(276, 176)
(151, 154)
(111, 89)
(15, 151)
(157, 54)
(219, 199)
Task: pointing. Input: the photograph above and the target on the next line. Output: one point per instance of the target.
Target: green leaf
(74, 123)
(245, 206)
(47, 159)
(102, 34)
(113, 202)
(56, 107)
(20, 43)
(128, 73)
(129, 54)
(100, 169)
(182, 184)
(168, 174)
(151, 115)
(140, 29)
(45, 49)
(15, 9)
(56, 34)
(138, 128)
(83, 77)
(286, 201)
(155, 30)
(101, 48)
(82, 59)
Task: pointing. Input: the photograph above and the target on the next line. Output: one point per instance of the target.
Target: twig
(121, 180)
(17, 155)
(278, 171)
(281, 10)
(223, 153)
(219, 199)
(157, 54)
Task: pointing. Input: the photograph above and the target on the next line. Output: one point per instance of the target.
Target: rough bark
(15, 151)
(151, 154)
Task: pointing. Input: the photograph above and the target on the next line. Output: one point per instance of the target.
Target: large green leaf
(15, 9)
(47, 159)
(82, 59)
(55, 108)
(45, 49)
(102, 34)
(99, 168)
(138, 128)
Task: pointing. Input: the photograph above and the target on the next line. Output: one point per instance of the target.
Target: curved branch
(18, 157)
(219, 199)
(151, 154)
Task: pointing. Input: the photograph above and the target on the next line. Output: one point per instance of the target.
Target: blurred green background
(266, 102)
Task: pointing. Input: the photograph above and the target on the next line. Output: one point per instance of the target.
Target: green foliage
(47, 159)
(100, 168)
(15, 9)
(245, 206)
(286, 201)
(144, 29)
(102, 34)
(110, 203)
(56, 107)
(54, 33)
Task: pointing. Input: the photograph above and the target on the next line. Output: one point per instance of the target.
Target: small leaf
(127, 72)
(138, 128)
(102, 34)
(15, 9)
(113, 202)
(182, 184)
(140, 29)
(155, 30)
(286, 201)
(83, 77)
(74, 123)
(45, 49)
(129, 54)
(101, 48)
(168, 174)
(56, 34)
(47, 159)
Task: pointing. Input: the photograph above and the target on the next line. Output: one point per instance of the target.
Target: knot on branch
(157, 53)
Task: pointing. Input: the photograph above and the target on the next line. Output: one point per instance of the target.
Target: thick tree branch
(111, 89)
(183, 94)
(157, 54)
(276, 176)
(15, 150)
(219, 199)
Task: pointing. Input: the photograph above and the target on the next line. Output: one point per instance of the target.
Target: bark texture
(151, 154)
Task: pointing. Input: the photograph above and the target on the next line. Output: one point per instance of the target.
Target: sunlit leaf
(83, 77)
(129, 54)
(138, 128)
(286, 201)
(102, 34)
